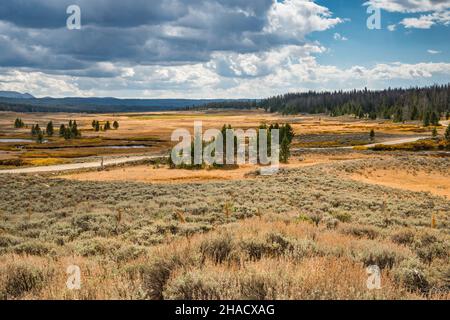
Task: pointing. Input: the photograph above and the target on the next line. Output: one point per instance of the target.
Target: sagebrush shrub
(411, 274)
(20, 279)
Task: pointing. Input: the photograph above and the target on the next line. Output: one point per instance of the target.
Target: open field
(434, 183)
(144, 231)
(163, 174)
(149, 133)
(124, 236)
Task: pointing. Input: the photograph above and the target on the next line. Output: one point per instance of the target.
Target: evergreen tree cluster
(38, 133)
(70, 131)
(19, 123)
(286, 135)
(98, 127)
(426, 104)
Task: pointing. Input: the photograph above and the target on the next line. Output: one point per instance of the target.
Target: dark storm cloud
(117, 13)
(165, 32)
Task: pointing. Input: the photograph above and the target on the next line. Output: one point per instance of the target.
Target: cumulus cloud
(432, 11)
(411, 6)
(427, 21)
(296, 18)
(185, 48)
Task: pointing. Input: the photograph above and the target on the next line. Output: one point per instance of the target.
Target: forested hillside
(397, 104)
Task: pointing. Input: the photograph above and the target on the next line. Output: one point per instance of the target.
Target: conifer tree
(62, 130)
(434, 133)
(50, 129)
(284, 150)
(372, 135)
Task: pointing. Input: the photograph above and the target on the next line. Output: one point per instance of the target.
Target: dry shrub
(342, 216)
(20, 278)
(411, 274)
(155, 273)
(260, 285)
(404, 237)
(383, 255)
(199, 285)
(361, 231)
(35, 248)
(218, 248)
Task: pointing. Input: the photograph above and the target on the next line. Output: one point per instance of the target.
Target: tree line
(235, 104)
(69, 131)
(427, 104)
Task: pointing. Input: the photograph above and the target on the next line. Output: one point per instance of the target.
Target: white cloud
(433, 11)
(411, 6)
(260, 64)
(427, 21)
(430, 51)
(392, 27)
(40, 84)
(291, 68)
(296, 18)
(339, 37)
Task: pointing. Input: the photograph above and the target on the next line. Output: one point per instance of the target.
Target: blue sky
(220, 48)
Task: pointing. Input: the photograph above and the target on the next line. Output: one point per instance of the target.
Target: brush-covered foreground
(304, 233)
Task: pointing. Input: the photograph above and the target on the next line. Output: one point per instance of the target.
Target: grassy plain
(148, 232)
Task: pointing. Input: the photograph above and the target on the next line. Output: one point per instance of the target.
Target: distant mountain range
(15, 95)
(14, 101)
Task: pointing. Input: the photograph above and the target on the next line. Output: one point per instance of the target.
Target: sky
(221, 48)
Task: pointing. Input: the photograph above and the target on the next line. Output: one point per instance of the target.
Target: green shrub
(127, 253)
(7, 240)
(383, 256)
(34, 248)
(97, 247)
(342, 216)
(361, 231)
(410, 273)
(303, 218)
(278, 243)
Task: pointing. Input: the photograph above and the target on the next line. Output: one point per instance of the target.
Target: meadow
(309, 232)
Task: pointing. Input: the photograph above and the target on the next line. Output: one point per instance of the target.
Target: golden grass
(195, 268)
(434, 182)
(165, 175)
(44, 161)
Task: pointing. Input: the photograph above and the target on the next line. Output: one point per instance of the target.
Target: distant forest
(96, 105)
(227, 104)
(426, 104)
(397, 104)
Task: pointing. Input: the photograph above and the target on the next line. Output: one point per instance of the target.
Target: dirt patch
(150, 174)
(433, 182)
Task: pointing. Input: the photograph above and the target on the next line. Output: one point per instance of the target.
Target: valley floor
(308, 232)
